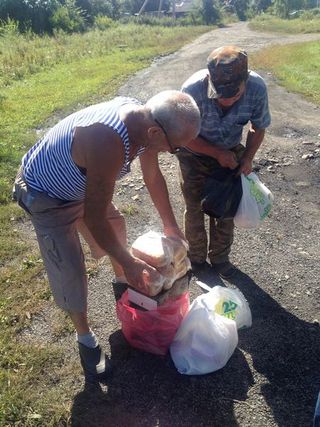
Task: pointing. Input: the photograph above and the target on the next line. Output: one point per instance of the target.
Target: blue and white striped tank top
(48, 165)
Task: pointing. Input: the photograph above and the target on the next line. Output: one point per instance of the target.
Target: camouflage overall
(193, 173)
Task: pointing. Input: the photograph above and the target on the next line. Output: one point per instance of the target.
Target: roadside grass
(26, 54)
(296, 66)
(42, 79)
(271, 23)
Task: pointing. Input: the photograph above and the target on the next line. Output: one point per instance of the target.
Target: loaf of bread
(152, 248)
(176, 272)
(168, 255)
(179, 249)
(154, 286)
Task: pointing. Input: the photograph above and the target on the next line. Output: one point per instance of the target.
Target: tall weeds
(25, 54)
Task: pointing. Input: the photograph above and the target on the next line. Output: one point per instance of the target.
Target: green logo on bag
(267, 208)
(227, 309)
(255, 191)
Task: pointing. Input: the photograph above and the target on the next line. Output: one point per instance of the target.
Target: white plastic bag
(232, 304)
(205, 340)
(255, 204)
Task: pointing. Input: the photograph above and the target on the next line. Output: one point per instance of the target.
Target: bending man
(66, 184)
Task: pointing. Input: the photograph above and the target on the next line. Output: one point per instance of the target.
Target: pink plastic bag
(154, 330)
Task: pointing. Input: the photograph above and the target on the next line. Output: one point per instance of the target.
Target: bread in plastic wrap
(179, 248)
(168, 255)
(153, 287)
(177, 271)
(152, 248)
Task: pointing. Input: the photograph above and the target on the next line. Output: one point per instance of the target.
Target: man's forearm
(226, 158)
(202, 146)
(160, 197)
(254, 140)
(106, 238)
(157, 187)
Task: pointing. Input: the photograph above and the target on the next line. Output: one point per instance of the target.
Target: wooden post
(143, 7)
(174, 9)
(160, 7)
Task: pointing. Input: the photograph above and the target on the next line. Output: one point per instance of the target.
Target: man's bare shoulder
(95, 144)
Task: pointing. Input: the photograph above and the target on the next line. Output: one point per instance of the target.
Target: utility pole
(160, 8)
(143, 7)
(174, 9)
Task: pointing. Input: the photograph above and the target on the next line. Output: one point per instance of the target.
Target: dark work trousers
(194, 171)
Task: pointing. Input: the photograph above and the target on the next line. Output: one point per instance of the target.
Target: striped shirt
(225, 129)
(48, 166)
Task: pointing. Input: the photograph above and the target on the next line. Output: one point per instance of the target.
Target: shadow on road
(286, 351)
(146, 390)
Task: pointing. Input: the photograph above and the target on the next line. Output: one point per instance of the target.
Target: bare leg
(80, 322)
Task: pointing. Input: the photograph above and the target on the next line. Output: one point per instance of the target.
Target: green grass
(296, 66)
(42, 79)
(24, 368)
(271, 23)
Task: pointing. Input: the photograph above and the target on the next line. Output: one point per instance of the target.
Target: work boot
(199, 267)
(225, 269)
(95, 363)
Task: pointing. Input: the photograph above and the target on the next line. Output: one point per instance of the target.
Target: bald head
(176, 111)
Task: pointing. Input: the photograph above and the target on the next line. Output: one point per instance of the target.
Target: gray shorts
(56, 224)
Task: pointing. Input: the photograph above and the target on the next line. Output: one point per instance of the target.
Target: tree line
(47, 16)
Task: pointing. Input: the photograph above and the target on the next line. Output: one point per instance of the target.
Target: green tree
(210, 12)
(259, 6)
(13, 9)
(241, 8)
(94, 8)
(68, 18)
(34, 14)
(281, 8)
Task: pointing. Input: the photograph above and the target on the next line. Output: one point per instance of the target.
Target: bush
(192, 18)
(9, 28)
(310, 14)
(68, 18)
(104, 22)
(150, 20)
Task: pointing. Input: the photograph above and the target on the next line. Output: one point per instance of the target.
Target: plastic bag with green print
(255, 204)
(208, 336)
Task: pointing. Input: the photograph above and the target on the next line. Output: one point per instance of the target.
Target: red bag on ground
(153, 330)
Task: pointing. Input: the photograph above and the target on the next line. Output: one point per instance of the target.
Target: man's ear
(153, 131)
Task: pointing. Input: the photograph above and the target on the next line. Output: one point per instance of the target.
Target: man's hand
(254, 139)
(227, 159)
(245, 166)
(174, 232)
(136, 272)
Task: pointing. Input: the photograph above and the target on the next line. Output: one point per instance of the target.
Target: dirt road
(272, 379)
